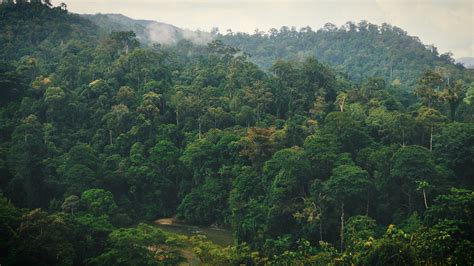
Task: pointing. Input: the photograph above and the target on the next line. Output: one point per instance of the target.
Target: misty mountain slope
(468, 62)
(360, 50)
(148, 31)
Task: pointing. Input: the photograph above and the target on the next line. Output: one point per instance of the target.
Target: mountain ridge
(382, 50)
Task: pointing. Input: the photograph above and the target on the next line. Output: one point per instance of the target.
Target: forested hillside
(361, 50)
(149, 32)
(100, 135)
(358, 50)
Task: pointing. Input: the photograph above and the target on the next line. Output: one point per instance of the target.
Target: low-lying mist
(169, 35)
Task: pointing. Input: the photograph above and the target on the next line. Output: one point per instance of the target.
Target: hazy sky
(448, 24)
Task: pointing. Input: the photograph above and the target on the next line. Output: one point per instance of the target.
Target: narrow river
(218, 236)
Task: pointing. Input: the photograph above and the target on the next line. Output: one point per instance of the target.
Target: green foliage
(212, 254)
(11, 82)
(389, 252)
(287, 178)
(10, 220)
(351, 135)
(95, 223)
(322, 150)
(98, 201)
(453, 147)
(43, 239)
(347, 183)
(70, 204)
(457, 205)
(144, 245)
(362, 50)
(26, 153)
(288, 173)
(295, 158)
(79, 168)
(411, 165)
(360, 235)
(205, 204)
(439, 244)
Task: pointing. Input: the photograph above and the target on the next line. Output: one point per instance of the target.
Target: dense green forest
(361, 50)
(358, 50)
(100, 135)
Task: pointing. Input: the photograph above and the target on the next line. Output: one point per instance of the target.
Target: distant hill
(467, 62)
(148, 31)
(360, 50)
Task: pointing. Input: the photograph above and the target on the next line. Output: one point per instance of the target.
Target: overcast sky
(448, 24)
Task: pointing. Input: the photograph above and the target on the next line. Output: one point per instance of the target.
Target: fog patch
(162, 33)
(169, 35)
(197, 37)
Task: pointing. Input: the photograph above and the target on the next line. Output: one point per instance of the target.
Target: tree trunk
(423, 137)
(391, 72)
(138, 81)
(341, 105)
(342, 226)
(290, 104)
(424, 198)
(409, 202)
(199, 121)
(177, 118)
(110, 137)
(431, 138)
(321, 226)
(367, 206)
(162, 105)
(453, 107)
(403, 138)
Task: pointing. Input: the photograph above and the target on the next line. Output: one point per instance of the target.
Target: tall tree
(347, 185)
(26, 155)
